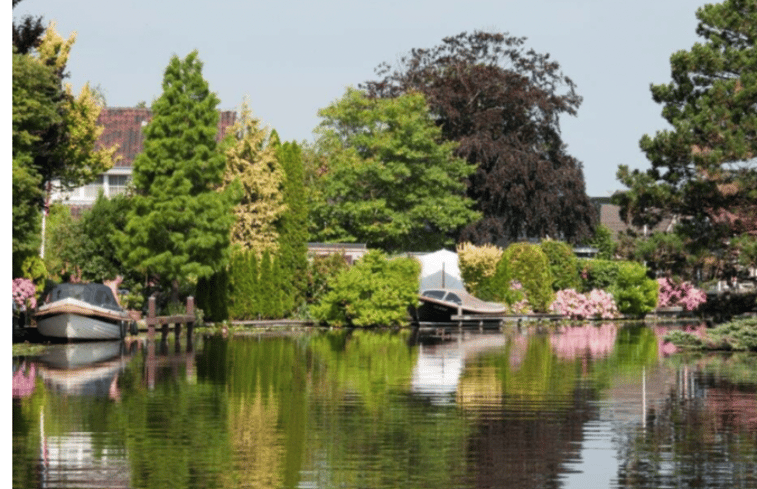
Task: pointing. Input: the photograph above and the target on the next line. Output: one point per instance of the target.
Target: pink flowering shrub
(681, 294)
(595, 304)
(23, 293)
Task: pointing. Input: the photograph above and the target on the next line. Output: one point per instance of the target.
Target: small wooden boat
(439, 305)
(82, 312)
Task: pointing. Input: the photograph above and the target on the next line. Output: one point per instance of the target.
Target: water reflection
(577, 406)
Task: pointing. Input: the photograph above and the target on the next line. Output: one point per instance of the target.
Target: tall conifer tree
(293, 226)
(179, 224)
(251, 161)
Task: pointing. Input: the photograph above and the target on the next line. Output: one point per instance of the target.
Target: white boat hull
(77, 327)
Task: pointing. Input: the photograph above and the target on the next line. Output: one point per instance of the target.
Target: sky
(291, 58)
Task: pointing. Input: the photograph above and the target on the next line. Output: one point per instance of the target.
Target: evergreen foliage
(703, 168)
(212, 296)
(269, 290)
(663, 252)
(563, 264)
(243, 283)
(529, 265)
(293, 227)
(179, 224)
(388, 178)
(251, 163)
(27, 34)
(375, 291)
(502, 105)
(478, 265)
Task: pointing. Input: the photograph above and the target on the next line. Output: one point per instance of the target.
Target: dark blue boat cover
(95, 294)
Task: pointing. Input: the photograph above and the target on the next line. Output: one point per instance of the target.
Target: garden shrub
(596, 304)
(597, 274)
(529, 265)
(740, 334)
(477, 264)
(634, 292)
(501, 287)
(375, 291)
(736, 335)
(562, 264)
(34, 269)
(682, 294)
(24, 294)
(320, 274)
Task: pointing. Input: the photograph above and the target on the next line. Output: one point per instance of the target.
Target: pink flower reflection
(24, 381)
(571, 342)
(666, 348)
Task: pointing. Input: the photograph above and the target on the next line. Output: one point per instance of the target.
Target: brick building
(122, 127)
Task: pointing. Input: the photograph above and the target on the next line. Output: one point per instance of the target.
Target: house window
(117, 184)
(91, 189)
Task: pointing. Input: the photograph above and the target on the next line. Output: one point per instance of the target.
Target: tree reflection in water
(376, 409)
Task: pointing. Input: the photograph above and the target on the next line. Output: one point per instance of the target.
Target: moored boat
(439, 305)
(82, 312)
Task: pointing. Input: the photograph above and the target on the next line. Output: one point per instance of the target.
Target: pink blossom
(24, 293)
(595, 304)
(682, 294)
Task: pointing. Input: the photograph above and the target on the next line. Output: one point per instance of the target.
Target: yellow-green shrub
(477, 264)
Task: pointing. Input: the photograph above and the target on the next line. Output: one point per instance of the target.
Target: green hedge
(529, 265)
(562, 263)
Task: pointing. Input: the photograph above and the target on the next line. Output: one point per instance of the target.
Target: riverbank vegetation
(736, 335)
(401, 164)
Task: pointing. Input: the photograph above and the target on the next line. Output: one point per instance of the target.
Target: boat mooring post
(191, 322)
(150, 315)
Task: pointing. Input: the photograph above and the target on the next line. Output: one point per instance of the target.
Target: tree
(28, 33)
(293, 225)
(502, 106)
(704, 167)
(179, 224)
(54, 136)
(251, 161)
(390, 180)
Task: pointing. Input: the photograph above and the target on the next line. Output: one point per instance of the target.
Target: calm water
(593, 406)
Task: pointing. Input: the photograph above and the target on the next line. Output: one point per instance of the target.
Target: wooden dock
(484, 322)
(165, 322)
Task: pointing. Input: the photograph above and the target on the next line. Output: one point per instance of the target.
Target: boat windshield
(453, 298)
(434, 294)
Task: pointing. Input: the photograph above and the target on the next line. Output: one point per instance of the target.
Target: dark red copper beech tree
(502, 105)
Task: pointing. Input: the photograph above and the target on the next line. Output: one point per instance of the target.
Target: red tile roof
(609, 215)
(123, 126)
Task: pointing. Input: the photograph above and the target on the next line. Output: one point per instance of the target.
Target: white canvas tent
(440, 270)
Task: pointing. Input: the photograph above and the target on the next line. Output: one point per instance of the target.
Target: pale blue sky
(294, 57)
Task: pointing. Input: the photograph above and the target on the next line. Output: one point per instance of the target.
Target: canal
(592, 405)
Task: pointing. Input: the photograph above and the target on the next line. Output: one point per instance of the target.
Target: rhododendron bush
(595, 304)
(681, 294)
(23, 293)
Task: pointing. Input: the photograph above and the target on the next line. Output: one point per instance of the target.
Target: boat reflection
(437, 371)
(89, 369)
